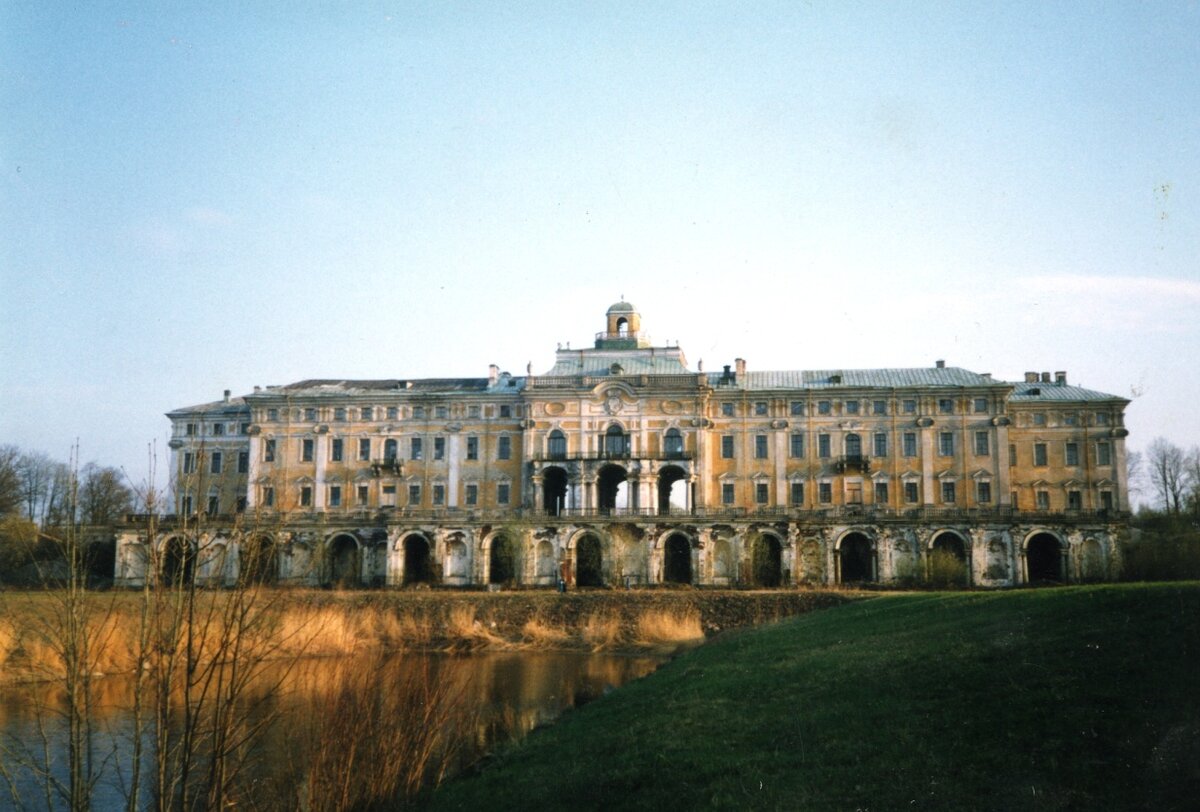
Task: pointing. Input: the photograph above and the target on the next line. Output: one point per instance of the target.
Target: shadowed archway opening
(856, 560)
(948, 560)
(100, 561)
(589, 562)
(1043, 559)
(677, 559)
(554, 490)
(672, 489)
(259, 563)
(502, 566)
(345, 565)
(418, 569)
(178, 562)
(766, 561)
(613, 488)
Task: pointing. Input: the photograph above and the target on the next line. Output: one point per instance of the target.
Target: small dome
(622, 307)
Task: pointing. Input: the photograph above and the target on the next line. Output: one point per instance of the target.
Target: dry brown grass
(602, 631)
(467, 631)
(8, 640)
(540, 633)
(660, 628)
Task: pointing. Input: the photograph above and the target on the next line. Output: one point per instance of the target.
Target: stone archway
(418, 565)
(345, 562)
(947, 561)
(672, 490)
(178, 561)
(554, 490)
(766, 561)
(589, 561)
(612, 484)
(502, 560)
(677, 559)
(1043, 559)
(856, 559)
(258, 561)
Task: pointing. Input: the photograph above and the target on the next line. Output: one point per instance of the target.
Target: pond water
(303, 733)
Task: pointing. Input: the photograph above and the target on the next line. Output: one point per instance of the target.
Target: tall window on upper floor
(1042, 500)
(269, 450)
(190, 429)
(910, 444)
(306, 450)
(215, 462)
(981, 406)
(673, 443)
(335, 495)
(364, 448)
(1074, 500)
(306, 496)
(796, 448)
(439, 448)
(214, 504)
(946, 405)
(853, 445)
(823, 446)
(218, 429)
(797, 493)
(982, 447)
(1072, 453)
(1039, 453)
(389, 450)
(881, 449)
(310, 415)
(472, 448)
(616, 442)
(1106, 500)
(946, 443)
(948, 493)
(881, 492)
(189, 462)
(825, 492)
(760, 408)
(416, 451)
(762, 493)
(503, 492)
(727, 494)
(335, 449)
(760, 446)
(243, 463)
(1103, 454)
(726, 446)
(912, 493)
(556, 445)
(504, 447)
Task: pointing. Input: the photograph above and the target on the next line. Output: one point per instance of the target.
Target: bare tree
(1192, 466)
(1168, 473)
(103, 496)
(10, 479)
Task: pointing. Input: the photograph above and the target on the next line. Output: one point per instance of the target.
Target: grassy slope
(1079, 698)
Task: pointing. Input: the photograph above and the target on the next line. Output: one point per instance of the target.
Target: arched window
(389, 450)
(673, 443)
(622, 327)
(557, 445)
(853, 445)
(616, 442)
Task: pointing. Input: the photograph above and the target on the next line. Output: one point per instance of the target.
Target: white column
(452, 480)
(252, 475)
(321, 441)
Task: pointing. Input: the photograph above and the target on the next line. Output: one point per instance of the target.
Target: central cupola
(624, 329)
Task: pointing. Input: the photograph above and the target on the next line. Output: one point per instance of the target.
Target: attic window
(1034, 391)
(835, 378)
(616, 369)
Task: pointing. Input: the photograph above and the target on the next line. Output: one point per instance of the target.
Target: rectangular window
(415, 450)
(473, 411)
(945, 405)
(186, 505)
(910, 444)
(418, 412)
(1106, 500)
(306, 496)
(240, 504)
(190, 429)
(268, 496)
(393, 412)
(727, 446)
(335, 449)
(1072, 453)
(335, 495)
(310, 414)
(983, 493)
(982, 444)
(472, 494)
(1039, 453)
(881, 493)
(389, 496)
(1039, 419)
(980, 405)
(219, 429)
(506, 411)
(852, 407)
(502, 492)
(912, 494)
(243, 462)
(910, 407)
(948, 493)
(797, 445)
(946, 443)
(306, 450)
(364, 494)
(439, 494)
(797, 407)
(364, 448)
(762, 493)
(472, 448)
(726, 493)
(726, 410)
(414, 495)
(366, 413)
(214, 505)
(272, 415)
(823, 446)
(504, 448)
(1012, 454)
(879, 407)
(825, 492)
(339, 414)
(824, 407)
(440, 412)
(1103, 454)
(760, 408)
(189, 462)
(797, 493)
(760, 446)
(1069, 420)
(1101, 418)
(1074, 500)
(214, 464)
(269, 451)
(1043, 500)
(439, 448)
(243, 428)
(881, 444)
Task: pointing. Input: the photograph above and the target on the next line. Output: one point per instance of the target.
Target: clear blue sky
(198, 200)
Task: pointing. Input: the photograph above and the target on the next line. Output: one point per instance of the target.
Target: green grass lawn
(1071, 698)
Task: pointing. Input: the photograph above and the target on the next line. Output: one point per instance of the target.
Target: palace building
(620, 465)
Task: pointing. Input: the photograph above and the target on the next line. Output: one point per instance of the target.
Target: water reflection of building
(622, 464)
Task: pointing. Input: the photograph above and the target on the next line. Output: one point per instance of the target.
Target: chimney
(1031, 377)
(257, 388)
(741, 365)
(227, 393)
(726, 375)
(1060, 378)
(940, 363)
(1045, 377)
(493, 373)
